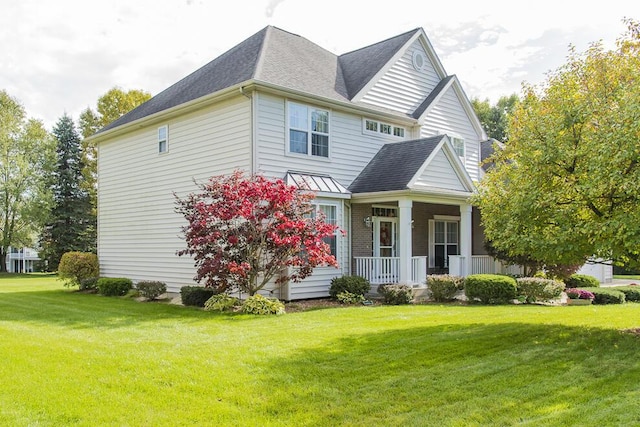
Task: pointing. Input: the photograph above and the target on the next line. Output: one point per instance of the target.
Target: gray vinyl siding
(439, 173)
(448, 116)
(403, 88)
(139, 231)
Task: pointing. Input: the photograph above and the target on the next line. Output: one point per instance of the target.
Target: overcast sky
(61, 56)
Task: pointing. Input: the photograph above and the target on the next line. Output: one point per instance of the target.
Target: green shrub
(631, 293)
(490, 288)
(77, 266)
(353, 284)
(606, 295)
(537, 289)
(443, 287)
(221, 302)
(257, 304)
(396, 294)
(151, 289)
(347, 297)
(196, 296)
(582, 281)
(114, 286)
(88, 284)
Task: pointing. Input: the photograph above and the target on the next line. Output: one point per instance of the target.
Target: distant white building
(21, 260)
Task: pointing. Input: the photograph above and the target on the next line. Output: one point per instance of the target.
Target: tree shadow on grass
(83, 310)
(473, 374)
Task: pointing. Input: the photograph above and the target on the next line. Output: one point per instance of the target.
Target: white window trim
(166, 140)
(379, 132)
(336, 233)
(308, 155)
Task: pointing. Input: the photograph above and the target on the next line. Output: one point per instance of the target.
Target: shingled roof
(280, 58)
(360, 66)
(393, 167)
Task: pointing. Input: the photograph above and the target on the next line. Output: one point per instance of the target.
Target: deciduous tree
(495, 118)
(26, 156)
(245, 231)
(566, 186)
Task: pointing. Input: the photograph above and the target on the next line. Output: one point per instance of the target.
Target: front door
(384, 248)
(385, 237)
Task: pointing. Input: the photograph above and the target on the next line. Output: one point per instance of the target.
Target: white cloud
(61, 56)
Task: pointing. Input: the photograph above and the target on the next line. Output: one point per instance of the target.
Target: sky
(60, 56)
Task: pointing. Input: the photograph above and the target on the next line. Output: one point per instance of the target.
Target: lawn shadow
(453, 374)
(83, 310)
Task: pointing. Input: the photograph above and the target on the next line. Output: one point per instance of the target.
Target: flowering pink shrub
(244, 231)
(574, 293)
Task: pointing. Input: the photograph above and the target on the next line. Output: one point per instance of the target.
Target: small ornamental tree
(244, 231)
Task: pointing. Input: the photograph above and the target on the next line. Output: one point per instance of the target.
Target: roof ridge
(381, 41)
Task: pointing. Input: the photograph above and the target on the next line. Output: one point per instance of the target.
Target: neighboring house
(21, 260)
(387, 139)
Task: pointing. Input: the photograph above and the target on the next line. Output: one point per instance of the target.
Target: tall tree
(110, 106)
(495, 118)
(71, 224)
(26, 156)
(566, 186)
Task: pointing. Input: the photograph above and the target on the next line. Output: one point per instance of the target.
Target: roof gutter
(163, 115)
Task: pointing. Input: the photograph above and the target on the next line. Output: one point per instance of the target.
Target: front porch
(382, 270)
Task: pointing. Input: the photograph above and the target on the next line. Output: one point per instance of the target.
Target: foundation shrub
(582, 281)
(490, 288)
(537, 289)
(606, 296)
(353, 284)
(631, 293)
(151, 289)
(443, 287)
(396, 294)
(196, 296)
(77, 266)
(114, 286)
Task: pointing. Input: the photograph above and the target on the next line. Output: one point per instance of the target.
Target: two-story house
(386, 138)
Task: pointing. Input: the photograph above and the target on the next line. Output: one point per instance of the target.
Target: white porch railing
(379, 270)
(480, 264)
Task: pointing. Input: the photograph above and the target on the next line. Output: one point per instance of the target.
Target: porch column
(404, 240)
(465, 238)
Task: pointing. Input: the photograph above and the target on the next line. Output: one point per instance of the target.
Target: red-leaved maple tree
(245, 231)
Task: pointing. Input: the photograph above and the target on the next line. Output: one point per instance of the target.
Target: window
(458, 146)
(308, 130)
(371, 126)
(330, 213)
(375, 127)
(445, 242)
(163, 139)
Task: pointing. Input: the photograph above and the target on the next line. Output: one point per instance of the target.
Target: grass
(626, 276)
(77, 359)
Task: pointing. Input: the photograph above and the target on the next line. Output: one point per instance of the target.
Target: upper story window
(308, 130)
(375, 127)
(163, 139)
(458, 145)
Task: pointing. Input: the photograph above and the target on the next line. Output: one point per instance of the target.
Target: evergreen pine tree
(71, 225)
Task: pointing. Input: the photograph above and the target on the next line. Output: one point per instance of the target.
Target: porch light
(367, 221)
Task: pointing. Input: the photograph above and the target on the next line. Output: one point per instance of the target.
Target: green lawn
(68, 358)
